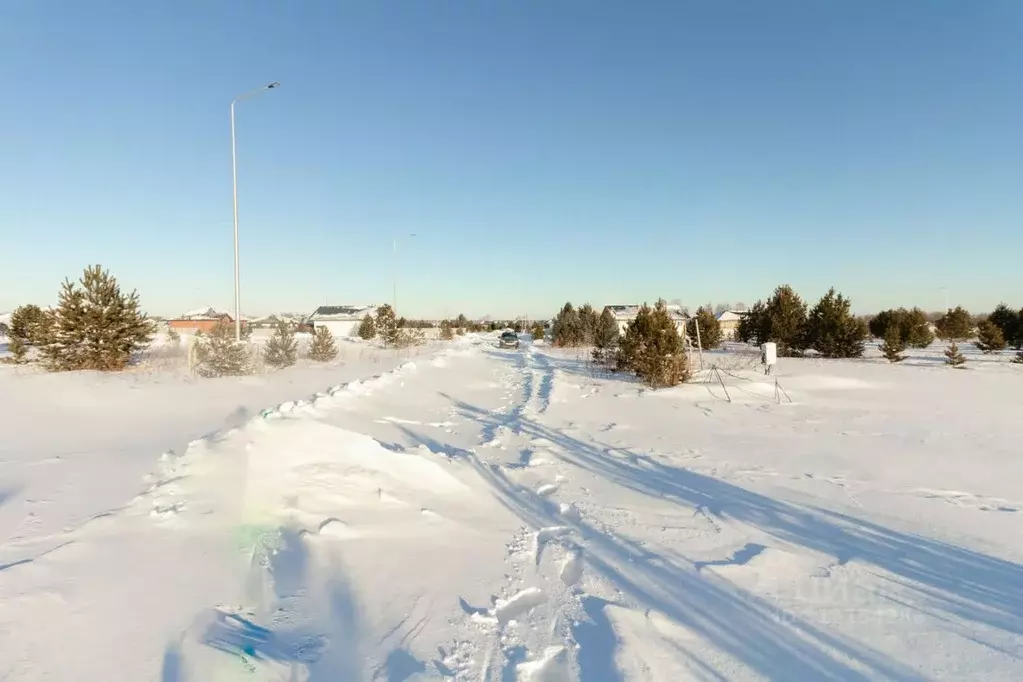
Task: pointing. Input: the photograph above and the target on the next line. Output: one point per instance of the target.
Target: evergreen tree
(95, 326)
(323, 347)
(518, 326)
(916, 329)
(1007, 321)
(953, 357)
(538, 331)
(710, 329)
(588, 319)
(955, 325)
(833, 331)
(754, 325)
(446, 331)
(567, 328)
(17, 348)
(387, 324)
(281, 348)
(218, 355)
(989, 337)
(653, 349)
(30, 324)
(367, 328)
(605, 339)
(461, 321)
(786, 321)
(173, 336)
(893, 345)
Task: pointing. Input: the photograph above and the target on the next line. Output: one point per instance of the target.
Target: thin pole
(237, 276)
(394, 276)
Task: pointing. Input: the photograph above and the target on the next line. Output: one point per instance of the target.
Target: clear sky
(542, 151)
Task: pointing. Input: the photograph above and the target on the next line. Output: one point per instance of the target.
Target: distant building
(341, 320)
(201, 320)
(624, 314)
(729, 321)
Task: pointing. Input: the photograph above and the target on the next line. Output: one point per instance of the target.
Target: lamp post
(394, 278)
(234, 183)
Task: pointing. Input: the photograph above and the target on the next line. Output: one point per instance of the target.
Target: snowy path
(503, 515)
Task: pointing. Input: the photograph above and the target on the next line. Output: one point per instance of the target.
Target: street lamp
(234, 177)
(394, 266)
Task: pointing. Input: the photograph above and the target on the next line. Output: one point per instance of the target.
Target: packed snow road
(497, 515)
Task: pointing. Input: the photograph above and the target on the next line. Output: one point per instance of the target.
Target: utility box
(769, 353)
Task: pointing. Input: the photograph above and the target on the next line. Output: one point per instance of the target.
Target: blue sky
(542, 151)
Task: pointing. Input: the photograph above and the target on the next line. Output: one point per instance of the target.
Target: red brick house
(202, 320)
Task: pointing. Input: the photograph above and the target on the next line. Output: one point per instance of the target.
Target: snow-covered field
(479, 514)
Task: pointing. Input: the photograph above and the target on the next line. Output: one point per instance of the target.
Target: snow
(472, 513)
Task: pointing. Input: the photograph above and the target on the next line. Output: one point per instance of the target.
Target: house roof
(327, 313)
(731, 315)
(629, 312)
(206, 313)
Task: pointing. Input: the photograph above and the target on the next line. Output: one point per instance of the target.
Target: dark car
(508, 340)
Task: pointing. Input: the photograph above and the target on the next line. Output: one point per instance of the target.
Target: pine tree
(461, 322)
(754, 326)
(893, 345)
(323, 348)
(786, 313)
(95, 326)
(387, 325)
(218, 355)
(605, 339)
(833, 331)
(538, 331)
(588, 319)
(17, 348)
(955, 325)
(567, 328)
(367, 328)
(953, 357)
(29, 323)
(173, 336)
(653, 349)
(916, 329)
(989, 337)
(446, 331)
(710, 329)
(1007, 321)
(281, 348)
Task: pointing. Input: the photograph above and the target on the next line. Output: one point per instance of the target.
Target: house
(341, 320)
(624, 314)
(201, 320)
(729, 321)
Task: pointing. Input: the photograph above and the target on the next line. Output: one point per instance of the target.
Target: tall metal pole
(237, 275)
(234, 192)
(394, 277)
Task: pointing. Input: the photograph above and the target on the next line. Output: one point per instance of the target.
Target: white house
(341, 320)
(625, 314)
(729, 320)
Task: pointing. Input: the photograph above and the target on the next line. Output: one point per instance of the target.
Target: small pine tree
(955, 325)
(173, 336)
(218, 355)
(17, 348)
(446, 330)
(1007, 321)
(281, 348)
(786, 322)
(588, 319)
(95, 326)
(30, 324)
(893, 345)
(367, 328)
(833, 331)
(538, 331)
(953, 357)
(567, 329)
(605, 339)
(387, 325)
(754, 326)
(989, 337)
(323, 348)
(653, 349)
(710, 329)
